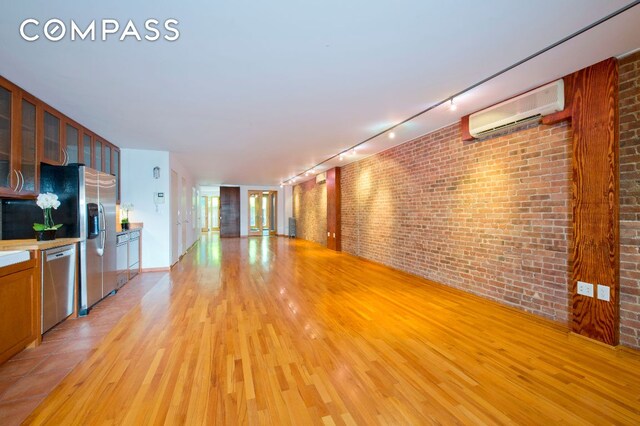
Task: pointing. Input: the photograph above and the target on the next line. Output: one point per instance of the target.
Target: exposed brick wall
(630, 201)
(310, 211)
(490, 217)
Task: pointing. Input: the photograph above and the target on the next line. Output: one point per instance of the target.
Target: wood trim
(334, 215)
(164, 269)
(464, 129)
(557, 117)
(595, 199)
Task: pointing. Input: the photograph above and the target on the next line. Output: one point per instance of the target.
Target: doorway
(176, 228)
(263, 208)
(210, 213)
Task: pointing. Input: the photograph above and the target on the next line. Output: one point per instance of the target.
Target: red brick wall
(630, 201)
(310, 211)
(490, 217)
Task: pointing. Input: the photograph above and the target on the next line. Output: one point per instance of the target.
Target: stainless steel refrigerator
(97, 217)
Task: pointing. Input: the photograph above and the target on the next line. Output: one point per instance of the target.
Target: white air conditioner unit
(321, 178)
(518, 111)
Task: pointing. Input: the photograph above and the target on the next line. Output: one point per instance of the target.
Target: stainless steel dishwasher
(58, 280)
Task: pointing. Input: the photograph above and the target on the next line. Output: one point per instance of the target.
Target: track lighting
(341, 157)
(452, 106)
(392, 135)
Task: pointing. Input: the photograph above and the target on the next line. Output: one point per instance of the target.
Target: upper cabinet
(18, 142)
(32, 132)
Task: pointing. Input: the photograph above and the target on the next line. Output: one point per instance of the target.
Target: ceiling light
(341, 157)
(452, 106)
(392, 135)
(353, 151)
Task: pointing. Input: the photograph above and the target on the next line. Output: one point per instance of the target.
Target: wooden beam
(557, 117)
(595, 199)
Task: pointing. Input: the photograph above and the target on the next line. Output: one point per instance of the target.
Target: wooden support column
(595, 199)
(334, 223)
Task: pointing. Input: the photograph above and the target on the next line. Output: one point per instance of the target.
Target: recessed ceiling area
(255, 93)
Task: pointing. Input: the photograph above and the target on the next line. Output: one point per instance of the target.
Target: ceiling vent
(321, 178)
(518, 111)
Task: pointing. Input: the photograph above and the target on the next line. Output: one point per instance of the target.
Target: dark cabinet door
(229, 211)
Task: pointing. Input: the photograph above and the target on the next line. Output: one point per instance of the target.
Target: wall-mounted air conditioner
(518, 111)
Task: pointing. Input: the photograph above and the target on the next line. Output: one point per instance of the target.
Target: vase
(48, 235)
(125, 226)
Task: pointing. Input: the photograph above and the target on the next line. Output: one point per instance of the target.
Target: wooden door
(229, 211)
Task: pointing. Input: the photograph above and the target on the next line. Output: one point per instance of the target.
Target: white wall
(138, 187)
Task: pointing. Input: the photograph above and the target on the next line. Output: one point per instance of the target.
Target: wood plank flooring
(274, 331)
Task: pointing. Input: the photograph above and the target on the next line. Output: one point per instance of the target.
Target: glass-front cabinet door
(7, 172)
(97, 159)
(51, 146)
(107, 159)
(86, 150)
(28, 157)
(71, 138)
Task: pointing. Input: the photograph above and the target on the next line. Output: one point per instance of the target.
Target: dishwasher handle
(58, 255)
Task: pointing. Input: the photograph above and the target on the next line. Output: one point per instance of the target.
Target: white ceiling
(256, 92)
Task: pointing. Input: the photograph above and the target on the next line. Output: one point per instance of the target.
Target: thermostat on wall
(158, 197)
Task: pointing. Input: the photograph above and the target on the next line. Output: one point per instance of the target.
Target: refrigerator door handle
(103, 230)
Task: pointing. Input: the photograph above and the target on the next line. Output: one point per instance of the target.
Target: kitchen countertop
(132, 227)
(36, 245)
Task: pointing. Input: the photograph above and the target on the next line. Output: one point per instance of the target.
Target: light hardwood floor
(273, 331)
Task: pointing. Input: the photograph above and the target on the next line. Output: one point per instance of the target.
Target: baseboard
(164, 269)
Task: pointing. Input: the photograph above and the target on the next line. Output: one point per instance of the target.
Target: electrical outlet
(604, 293)
(585, 289)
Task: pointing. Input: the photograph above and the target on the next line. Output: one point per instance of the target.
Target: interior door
(175, 218)
(186, 216)
(229, 211)
(215, 213)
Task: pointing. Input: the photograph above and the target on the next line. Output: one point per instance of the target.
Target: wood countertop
(132, 227)
(36, 245)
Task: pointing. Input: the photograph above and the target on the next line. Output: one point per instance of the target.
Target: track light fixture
(452, 106)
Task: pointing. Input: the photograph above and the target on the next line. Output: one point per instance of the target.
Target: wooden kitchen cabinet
(32, 132)
(19, 308)
(18, 142)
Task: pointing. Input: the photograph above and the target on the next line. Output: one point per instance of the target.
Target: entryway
(210, 213)
(263, 213)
